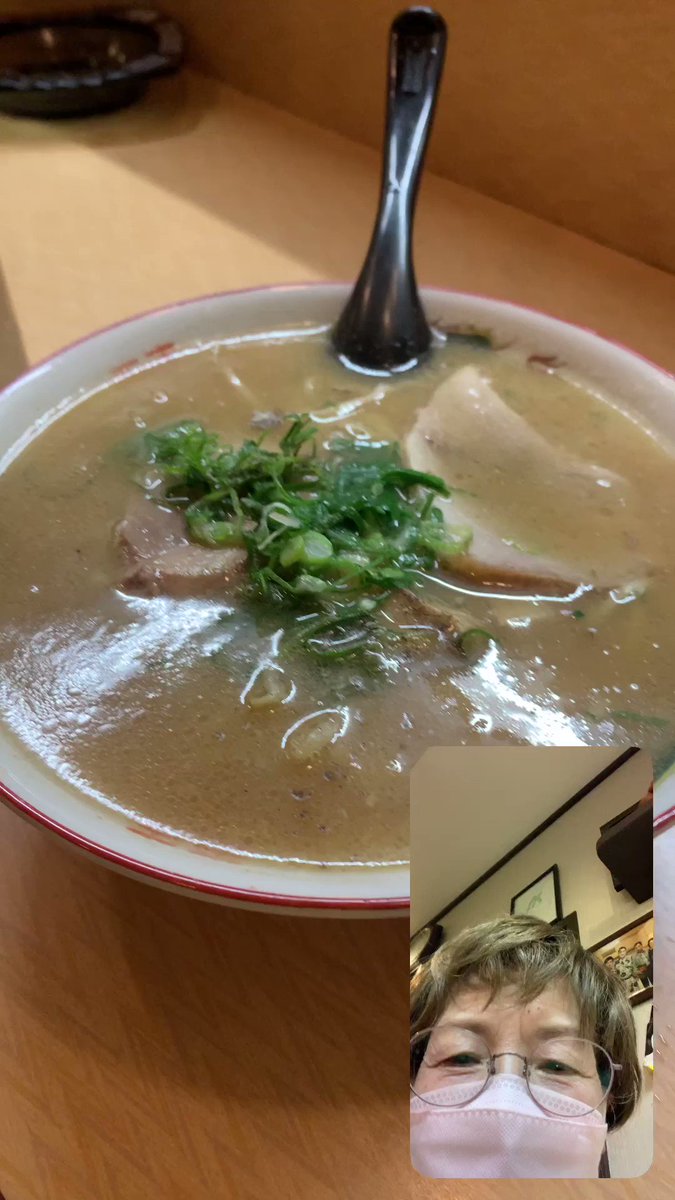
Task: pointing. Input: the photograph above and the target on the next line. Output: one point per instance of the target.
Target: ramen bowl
(39, 794)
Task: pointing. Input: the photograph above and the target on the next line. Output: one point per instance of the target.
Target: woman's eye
(461, 1060)
(554, 1067)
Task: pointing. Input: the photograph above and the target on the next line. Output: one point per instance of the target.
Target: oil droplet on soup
(179, 712)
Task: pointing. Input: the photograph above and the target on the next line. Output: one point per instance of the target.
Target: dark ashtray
(71, 66)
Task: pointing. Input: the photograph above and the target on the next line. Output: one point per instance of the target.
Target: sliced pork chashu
(542, 518)
(161, 561)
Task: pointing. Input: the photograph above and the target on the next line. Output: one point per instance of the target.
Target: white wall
(631, 1149)
(585, 884)
(470, 805)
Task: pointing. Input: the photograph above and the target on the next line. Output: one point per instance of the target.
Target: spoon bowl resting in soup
(227, 632)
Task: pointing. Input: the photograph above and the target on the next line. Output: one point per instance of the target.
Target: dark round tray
(77, 65)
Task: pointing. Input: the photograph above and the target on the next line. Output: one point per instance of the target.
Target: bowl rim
(179, 880)
(176, 879)
(318, 284)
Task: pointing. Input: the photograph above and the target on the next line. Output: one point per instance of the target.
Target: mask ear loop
(417, 1052)
(664, 820)
(612, 1096)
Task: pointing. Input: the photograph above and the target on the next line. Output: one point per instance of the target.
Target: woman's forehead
(555, 1005)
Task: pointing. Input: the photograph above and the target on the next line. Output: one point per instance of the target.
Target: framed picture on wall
(570, 922)
(629, 953)
(541, 898)
(423, 944)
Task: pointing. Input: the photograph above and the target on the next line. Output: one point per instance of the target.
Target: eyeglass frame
(492, 1058)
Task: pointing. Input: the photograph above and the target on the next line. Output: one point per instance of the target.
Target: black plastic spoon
(383, 327)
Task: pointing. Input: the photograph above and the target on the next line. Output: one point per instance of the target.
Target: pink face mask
(503, 1134)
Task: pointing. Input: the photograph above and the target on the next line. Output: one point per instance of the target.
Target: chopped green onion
(281, 515)
(215, 533)
(340, 530)
(627, 717)
(618, 714)
(446, 541)
(310, 585)
(317, 549)
(475, 642)
(309, 549)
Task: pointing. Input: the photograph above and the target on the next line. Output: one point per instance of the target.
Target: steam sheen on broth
(187, 714)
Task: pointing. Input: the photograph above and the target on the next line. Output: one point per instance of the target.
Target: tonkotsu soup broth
(203, 716)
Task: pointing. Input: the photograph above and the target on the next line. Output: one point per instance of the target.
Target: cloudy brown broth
(149, 705)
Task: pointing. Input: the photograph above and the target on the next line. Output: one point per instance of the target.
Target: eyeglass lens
(566, 1075)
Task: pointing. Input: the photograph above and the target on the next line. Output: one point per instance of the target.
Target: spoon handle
(383, 326)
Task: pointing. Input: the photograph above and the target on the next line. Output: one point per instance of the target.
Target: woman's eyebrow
(475, 1024)
(558, 1029)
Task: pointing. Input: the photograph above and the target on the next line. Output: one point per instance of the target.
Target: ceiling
(470, 805)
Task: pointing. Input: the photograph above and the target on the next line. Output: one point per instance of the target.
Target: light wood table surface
(154, 1047)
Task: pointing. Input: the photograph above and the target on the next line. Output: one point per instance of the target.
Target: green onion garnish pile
(331, 536)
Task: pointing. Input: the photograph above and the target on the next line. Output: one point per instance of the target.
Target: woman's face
(545, 1031)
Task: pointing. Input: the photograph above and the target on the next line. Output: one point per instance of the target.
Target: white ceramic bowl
(30, 789)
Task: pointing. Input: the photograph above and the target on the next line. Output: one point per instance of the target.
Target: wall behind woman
(586, 885)
(631, 1148)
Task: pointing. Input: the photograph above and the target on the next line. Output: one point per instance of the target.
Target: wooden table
(153, 1046)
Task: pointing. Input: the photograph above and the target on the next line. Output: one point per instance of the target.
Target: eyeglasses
(565, 1076)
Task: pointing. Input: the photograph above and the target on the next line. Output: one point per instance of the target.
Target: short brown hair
(532, 954)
